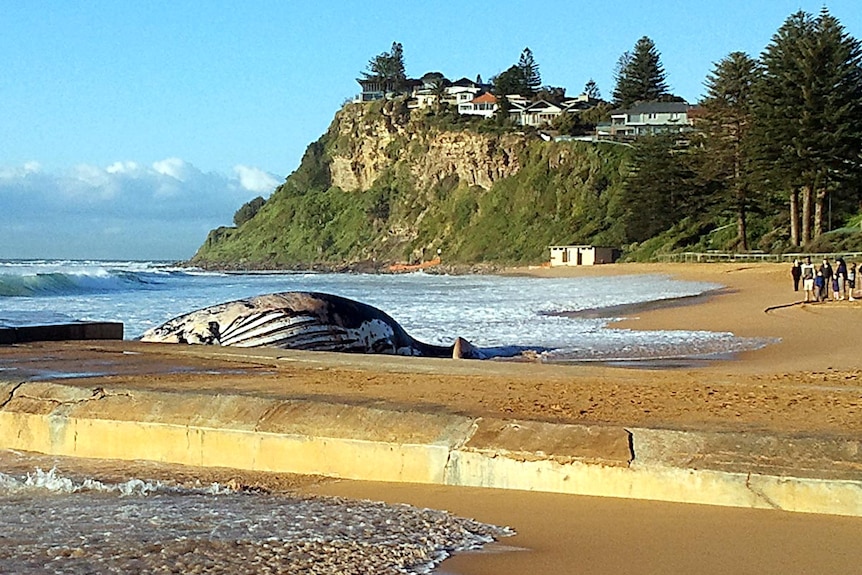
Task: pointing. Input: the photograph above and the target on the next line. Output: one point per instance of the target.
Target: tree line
(778, 144)
(776, 154)
(639, 76)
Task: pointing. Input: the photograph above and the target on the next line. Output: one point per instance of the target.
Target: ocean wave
(58, 283)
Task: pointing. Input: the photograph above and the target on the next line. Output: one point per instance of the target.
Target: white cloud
(255, 179)
(89, 183)
(123, 168)
(174, 168)
(20, 171)
(167, 204)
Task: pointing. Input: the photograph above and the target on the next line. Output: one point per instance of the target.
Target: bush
(248, 211)
(843, 240)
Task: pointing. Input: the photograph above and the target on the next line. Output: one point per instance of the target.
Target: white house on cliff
(648, 118)
(475, 99)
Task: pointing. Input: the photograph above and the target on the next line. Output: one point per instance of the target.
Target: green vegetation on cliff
(380, 187)
(772, 164)
(384, 185)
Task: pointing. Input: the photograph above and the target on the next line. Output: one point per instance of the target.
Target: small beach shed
(582, 255)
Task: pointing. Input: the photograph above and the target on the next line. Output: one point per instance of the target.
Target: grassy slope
(565, 192)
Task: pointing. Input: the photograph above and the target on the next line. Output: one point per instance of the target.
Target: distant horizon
(131, 131)
(48, 259)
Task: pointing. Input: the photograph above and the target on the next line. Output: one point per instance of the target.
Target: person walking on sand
(807, 271)
(851, 280)
(820, 291)
(796, 274)
(826, 272)
(840, 281)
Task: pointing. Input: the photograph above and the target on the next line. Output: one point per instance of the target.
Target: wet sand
(560, 534)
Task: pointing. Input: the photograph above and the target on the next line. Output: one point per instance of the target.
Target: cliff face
(385, 184)
(475, 159)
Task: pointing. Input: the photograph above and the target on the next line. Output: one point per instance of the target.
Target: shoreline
(554, 532)
(623, 311)
(756, 300)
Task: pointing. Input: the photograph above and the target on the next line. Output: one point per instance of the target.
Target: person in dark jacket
(841, 278)
(796, 274)
(819, 286)
(826, 272)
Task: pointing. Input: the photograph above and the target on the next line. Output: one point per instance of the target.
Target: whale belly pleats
(249, 325)
(307, 337)
(278, 329)
(253, 327)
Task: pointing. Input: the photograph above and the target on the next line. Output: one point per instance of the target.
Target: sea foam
(54, 523)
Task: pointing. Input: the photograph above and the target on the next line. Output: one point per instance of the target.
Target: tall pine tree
(725, 122)
(808, 108)
(640, 75)
(838, 58)
(530, 71)
(522, 78)
(388, 68)
(778, 98)
(591, 90)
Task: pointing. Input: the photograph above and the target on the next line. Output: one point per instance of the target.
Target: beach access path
(804, 389)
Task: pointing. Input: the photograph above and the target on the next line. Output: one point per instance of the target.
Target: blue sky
(130, 129)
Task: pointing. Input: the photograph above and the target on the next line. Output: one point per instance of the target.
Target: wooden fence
(707, 257)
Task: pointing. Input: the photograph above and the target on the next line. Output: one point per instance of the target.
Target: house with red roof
(485, 104)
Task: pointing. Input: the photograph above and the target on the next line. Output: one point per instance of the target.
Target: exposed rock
(375, 140)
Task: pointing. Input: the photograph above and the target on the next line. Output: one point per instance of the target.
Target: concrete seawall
(368, 442)
(83, 330)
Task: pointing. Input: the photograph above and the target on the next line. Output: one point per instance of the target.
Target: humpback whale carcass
(305, 321)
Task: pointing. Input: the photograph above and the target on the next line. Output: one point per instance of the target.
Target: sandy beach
(805, 383)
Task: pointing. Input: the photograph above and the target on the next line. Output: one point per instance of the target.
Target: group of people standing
(819, 282)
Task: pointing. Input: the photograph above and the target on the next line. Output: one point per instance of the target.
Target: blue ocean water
(489, 311)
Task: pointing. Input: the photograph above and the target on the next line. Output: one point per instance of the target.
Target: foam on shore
(86, 526)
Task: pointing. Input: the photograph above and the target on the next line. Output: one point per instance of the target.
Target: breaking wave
(51, 481)
(93, 280)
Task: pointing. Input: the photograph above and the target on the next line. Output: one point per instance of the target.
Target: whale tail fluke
(463, 349)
